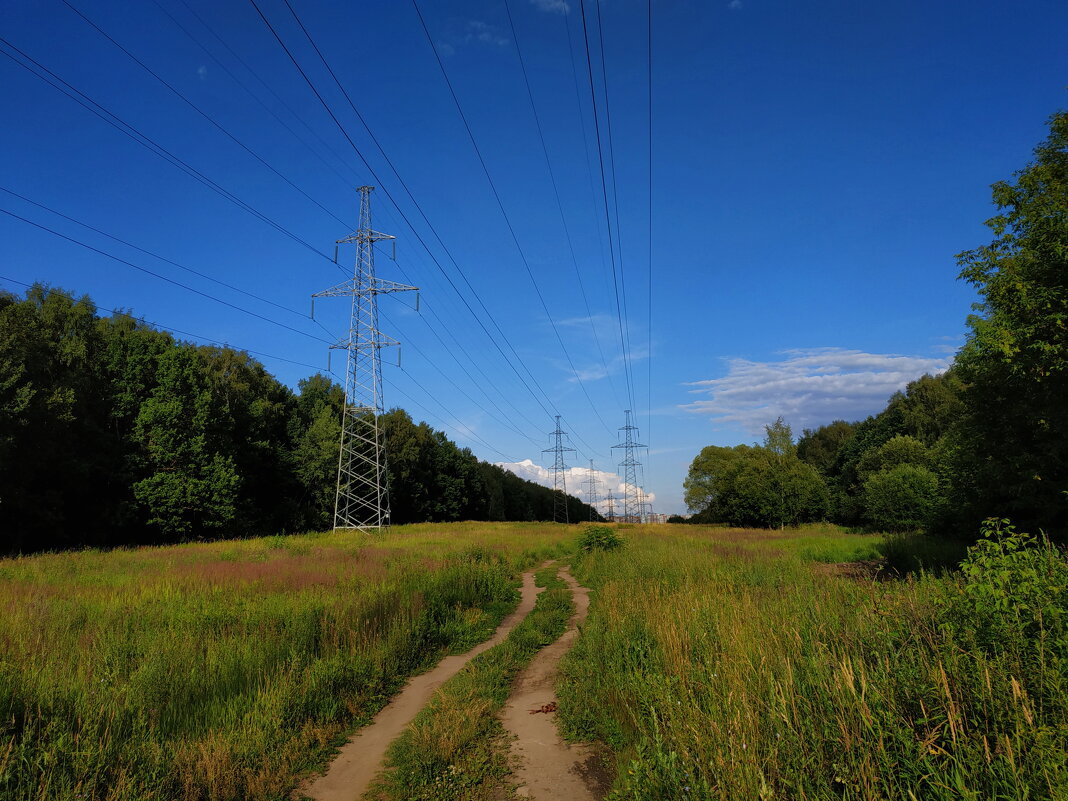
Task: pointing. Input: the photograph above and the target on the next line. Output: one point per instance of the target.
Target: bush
(903, 498)
(1014, 588)
(600, 538)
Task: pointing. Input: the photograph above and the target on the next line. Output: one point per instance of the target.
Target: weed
(599, 538)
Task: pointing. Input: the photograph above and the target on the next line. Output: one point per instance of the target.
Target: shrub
(600, 538)
(1014, 587)
(902, 498)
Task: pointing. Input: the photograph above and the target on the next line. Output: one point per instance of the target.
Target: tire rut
(545, 767)
(361, 758)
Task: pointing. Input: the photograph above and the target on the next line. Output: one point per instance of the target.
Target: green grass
(222, 671)
(454, 748)
(718, 665)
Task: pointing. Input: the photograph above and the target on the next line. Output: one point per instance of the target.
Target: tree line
(115, 433)
(987, 438)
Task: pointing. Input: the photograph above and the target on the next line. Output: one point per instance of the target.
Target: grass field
(715, 664)
(725, 665)
(220, 671)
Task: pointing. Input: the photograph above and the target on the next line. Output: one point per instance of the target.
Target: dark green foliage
(766, 486)
(1014, 591)
(913, 552)
(599, 538)
(902, 498)
(192, 484)
(113, 433)
(820, 447)
(895, 452)
(1012, 450)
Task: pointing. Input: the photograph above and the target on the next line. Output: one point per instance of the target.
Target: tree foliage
(901, 498)
(762, 485)
(113, 433)
(1012, 451)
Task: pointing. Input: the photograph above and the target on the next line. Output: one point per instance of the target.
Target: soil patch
(547, 768)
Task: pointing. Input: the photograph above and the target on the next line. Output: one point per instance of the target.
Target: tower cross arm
(379, 340)
(376, 286)
(363, 236)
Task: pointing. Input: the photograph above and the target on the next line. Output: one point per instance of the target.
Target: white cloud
(574, 481)
(478, 31)
(552, 6)
(808, 388)
(576, 331)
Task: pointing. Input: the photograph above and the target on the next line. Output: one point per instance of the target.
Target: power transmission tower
(362, 493)
(646, 506)
(559, 474)
(591, 490)
(632, 510)
(611, 507)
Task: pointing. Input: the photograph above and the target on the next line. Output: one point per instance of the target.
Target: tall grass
(720, 667)
(222, 671)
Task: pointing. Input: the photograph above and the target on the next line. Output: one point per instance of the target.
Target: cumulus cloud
(575, 481)
(808, 388)
(551, 6)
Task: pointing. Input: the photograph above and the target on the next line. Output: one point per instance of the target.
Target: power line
(79, 97)
(460, 389)
(282, 122)
(649, 291)
(249, 92)
(201, 112)
(615, 190)
(504, 214)
(415, 232)
(163, 277)
(604, 194)
(170, 329)
(411, 197)
(470, 432)
(151, 253)
(556, 194)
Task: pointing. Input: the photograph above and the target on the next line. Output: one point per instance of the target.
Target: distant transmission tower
(559, 474)
(591, 490)
(362, 493)
(632, 509)
(646, 506)
(611, 507)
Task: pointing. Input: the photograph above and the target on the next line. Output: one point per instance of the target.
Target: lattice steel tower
(632, 510)
(611, 507)
(362, 492)
(559, 474)
(592, 484)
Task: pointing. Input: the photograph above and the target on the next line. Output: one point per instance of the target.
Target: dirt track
(361, 757)
(547, 768)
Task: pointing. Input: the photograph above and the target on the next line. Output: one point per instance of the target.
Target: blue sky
(816, 166)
